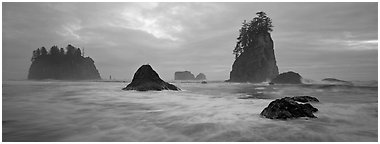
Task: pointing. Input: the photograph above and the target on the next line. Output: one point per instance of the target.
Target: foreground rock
(287, 78)
(146, 79)
(290, 107)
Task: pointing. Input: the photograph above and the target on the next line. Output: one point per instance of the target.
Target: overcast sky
(317, 40)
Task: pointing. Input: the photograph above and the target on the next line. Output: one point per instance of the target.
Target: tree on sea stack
(254, 54)
(259, 24)
(54, 50)
(44, 51)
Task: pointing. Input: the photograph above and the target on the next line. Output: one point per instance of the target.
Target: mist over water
(101, 111)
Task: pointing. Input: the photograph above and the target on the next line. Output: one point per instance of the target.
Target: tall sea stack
(255, 60)
(60, 65)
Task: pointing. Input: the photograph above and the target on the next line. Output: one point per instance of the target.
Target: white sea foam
(99, 111)
(260, 88)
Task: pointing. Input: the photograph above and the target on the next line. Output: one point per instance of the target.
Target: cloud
(352, 44)
(158, 25)
(362, 44)
(69, 30)
(164, 20)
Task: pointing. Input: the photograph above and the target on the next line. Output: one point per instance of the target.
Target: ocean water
(101, 111)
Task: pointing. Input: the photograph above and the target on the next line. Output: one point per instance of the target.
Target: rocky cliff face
(78, 68)
(257, 63)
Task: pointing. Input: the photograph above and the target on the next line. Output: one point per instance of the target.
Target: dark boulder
(287, 78)
(288, 108)
(146, 79)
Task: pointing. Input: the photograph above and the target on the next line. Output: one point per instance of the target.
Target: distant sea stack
(183, 75)
(200, 76)
(146, 79)
(254, 54)
(187, 75)
(62, 65)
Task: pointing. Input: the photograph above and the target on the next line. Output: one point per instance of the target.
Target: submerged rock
(337, 81)
(288, 108)
(146, 79)
(257, 63)
(287, 78)
(305, 99)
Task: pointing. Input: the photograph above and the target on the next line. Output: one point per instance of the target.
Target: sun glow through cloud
(157, 24)
(363, 44)
(353, 44)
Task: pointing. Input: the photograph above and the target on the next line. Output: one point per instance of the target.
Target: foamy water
(101, 111)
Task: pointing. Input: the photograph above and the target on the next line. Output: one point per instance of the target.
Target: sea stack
(255, 60)
(183, 75)
(187, 75)
(146, 79)
(200, 76)
(60, 65)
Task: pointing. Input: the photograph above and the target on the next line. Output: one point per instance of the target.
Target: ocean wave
(99, 111)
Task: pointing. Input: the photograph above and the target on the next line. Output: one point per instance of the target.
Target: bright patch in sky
(362, 45)
(68, 30)
(353, 44)
(157, 24)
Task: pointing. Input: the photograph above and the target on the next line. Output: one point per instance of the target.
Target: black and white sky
(317, 40)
